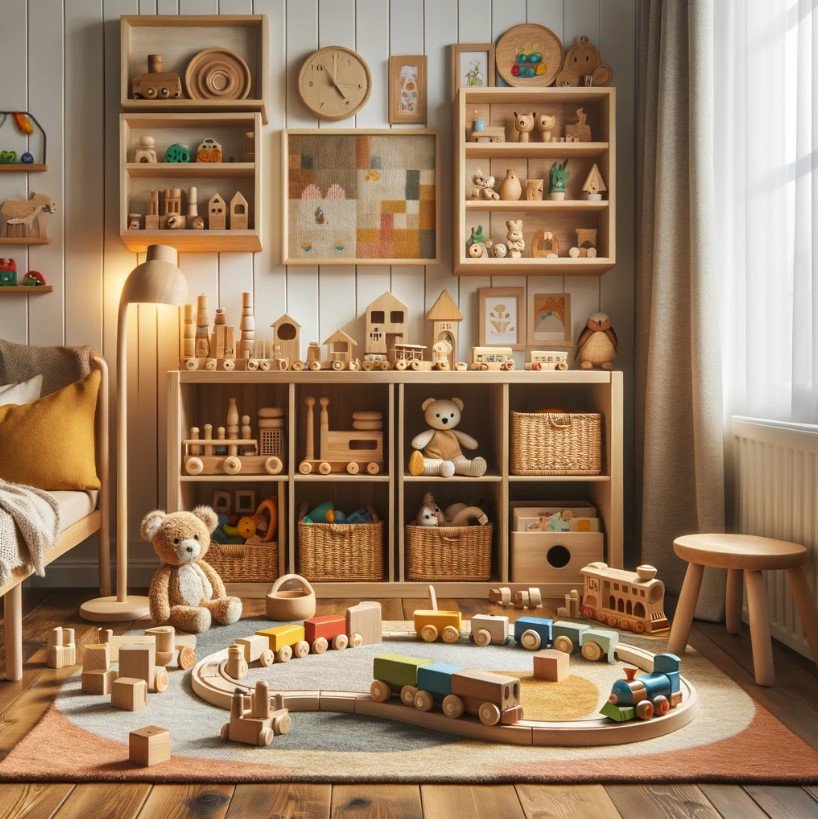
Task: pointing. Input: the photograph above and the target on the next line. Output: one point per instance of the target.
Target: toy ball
(540, 69)
(246, 527)
(27, 158)
(535, 57)
(530, 72)
(521, 58)
(515, 70)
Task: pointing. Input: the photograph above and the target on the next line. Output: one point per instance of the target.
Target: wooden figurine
(287, 339)
(202, 327)
(445, 317)
(580, 131)
(545, 245)
(209, 150)
(239, 217)
(586, 244)
(62, 650)
(594, 186)
(139, 660)
(236, 663)
(511, 188)
(583, 65)
(557, 180)
(534, 190)
(146, 152)
(152, 216)
(387, 322)
(544, 123)
(258, 724)
(194, 221)
(523, 125)
(514, 238)
(134, 221)
(483, 186)
(552, 665)
(156, 84)
(572, 605)
(149, 746)
(172, 218)
(129, 693)
(597, 343)
(216, 213)
(25, 218)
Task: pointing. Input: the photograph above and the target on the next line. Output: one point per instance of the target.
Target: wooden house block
(365, 619)
(341, 346)
(98, 681)
(286, 338)
(96, 656)
(445, 317)
(552, 665)
(129, 693)
(239, 216)
(216, 213)
(387, 322)
(149, 746)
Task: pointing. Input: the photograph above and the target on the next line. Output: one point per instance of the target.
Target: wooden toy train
(646, 695)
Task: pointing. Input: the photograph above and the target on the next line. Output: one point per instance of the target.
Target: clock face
(334, 82)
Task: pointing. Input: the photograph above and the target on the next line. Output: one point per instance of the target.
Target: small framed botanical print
(407, 89)
(502, 317)
(472, 65)
(549, 320)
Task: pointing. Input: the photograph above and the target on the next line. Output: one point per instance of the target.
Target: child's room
(408, 408)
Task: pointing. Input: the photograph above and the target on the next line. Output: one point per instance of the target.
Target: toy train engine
(646, 695)
(156, 84)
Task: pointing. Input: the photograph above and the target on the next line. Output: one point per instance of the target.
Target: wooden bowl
(291, 604)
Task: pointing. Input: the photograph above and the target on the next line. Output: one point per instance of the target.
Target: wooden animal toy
(258, 724)
(534, 190)
(579, 131)
(597, 343)
(430, 514)
(156, 84)
(583, 65)
(239, 218)
(340, 451)
(146, 152)
(138, 660)
(557, 180)
(439, 449)
(547, 360)
(523, 125)
(476, 243)
(25, 218)
(544, 123)
(511, 188)
(186, 592)
(586, 244)
(514, 238)
(647, 695)
(551, 665)
(209, 150)
(593, 187)
(492, 358)
(62, 650)
(129, 693)
(483, 186)
(148, 746)
(8, 273)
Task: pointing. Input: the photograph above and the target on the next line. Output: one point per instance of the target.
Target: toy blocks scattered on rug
(149, 746)
(62, 650)
(552, 665)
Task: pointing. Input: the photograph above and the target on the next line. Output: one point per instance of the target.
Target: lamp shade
(158, 280)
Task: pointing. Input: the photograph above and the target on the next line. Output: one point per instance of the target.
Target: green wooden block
(398, 670)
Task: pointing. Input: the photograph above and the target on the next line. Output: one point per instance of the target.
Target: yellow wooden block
(280, 636)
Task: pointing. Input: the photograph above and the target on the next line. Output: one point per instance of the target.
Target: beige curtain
(678, 362)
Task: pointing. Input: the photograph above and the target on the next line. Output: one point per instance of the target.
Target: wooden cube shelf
(533, 159)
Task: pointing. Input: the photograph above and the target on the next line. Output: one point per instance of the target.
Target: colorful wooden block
(327, 626)
(437, 678)
(149, 746)
(98, 681)
(552, 665)
(129, 693)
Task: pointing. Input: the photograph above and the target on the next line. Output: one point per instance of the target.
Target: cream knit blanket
(29, 527)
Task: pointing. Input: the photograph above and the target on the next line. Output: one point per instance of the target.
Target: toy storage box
(448, 552)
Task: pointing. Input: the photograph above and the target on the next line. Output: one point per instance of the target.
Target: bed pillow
(50, 443)
(26, 393)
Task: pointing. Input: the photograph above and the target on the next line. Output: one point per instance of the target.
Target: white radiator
(775, 481)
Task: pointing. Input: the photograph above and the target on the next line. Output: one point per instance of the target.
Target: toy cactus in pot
(557, 179)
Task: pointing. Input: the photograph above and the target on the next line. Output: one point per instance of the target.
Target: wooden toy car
(286, 641)
(432, 623)
(533, 633)
(598, 643)
(489, 629)
(492, 358)
(209, 151)
(328, 629)
(156, 84)
(547, 360)
(258, 724)
(375, 361)
(493, 698)
(490, 133)
(647, 695)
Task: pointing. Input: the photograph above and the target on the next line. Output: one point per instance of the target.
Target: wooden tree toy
(557, 180)
(258, 724)
(239, 218)
(25, 218)
(146, 152)
(152, 216)
(62, 650)
(523, 125)
(194, 221)
(216, 213)
(594, 186)
(247, 326)
(149, 746)
(544, 123)
(579, 131)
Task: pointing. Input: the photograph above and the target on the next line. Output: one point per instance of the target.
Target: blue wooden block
(436, 678)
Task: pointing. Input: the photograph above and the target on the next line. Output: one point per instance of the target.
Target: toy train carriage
(489, 629)
(286, 641)
(646, 695)
(492, 358)
(407, 356)
(543, 360)
(533, 633)
(433, 623)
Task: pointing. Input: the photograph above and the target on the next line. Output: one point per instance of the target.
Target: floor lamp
(158, 280)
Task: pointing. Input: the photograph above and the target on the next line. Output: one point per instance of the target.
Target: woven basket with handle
(335, 552)
(552, 443)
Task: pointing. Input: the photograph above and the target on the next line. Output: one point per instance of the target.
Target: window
(377, 317)
(396, 316)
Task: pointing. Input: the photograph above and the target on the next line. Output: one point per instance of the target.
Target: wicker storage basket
(244, 563)
(335, 552)
(551, 443)
(448, 552)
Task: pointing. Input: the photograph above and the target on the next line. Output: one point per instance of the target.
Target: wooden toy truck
(258, 724)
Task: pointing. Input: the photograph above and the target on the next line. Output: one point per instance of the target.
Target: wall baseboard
(83, 573)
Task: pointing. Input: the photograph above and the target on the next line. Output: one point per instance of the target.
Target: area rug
(732, 739)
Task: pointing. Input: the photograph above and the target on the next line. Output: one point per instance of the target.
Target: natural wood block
(138, 661)
(129, 693)
(365, 619)
(149, 746)
(98, 681)
(62, 650)
(96, 656)
(552, 665)
(165, 638)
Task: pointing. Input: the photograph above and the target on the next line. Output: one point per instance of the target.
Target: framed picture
(472, 65)
(360, 196)
(502, 317)
(549, 320)
(407, 89)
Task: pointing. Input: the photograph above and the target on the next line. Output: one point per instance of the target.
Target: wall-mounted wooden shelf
(188, 170)
(30, 290)
(24, 240)
(22, 167)
(535, 267)
(194, 241)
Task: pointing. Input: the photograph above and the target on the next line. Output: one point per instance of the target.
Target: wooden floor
(794, 700)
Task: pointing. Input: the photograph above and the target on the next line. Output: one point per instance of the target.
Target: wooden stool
(752, 555)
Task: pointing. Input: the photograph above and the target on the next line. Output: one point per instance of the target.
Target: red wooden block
(327, 626)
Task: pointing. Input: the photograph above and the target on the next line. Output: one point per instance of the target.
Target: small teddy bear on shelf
(514, 238)
(438, 449)
(483, 186)
(597, 343)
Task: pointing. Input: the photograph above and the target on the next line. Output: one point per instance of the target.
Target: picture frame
(549, 320)
(407, 89)
(502, 317)
(472, 66)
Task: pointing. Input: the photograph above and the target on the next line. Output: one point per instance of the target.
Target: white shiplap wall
(60, 60)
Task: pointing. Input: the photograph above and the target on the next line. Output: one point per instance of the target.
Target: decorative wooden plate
(218, 74)
(516, 48)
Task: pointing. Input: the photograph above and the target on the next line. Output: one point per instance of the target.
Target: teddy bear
(186, 592)
(515, 242)
(483, 186)
(438, 449)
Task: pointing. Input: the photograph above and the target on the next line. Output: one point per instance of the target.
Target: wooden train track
(211, 682)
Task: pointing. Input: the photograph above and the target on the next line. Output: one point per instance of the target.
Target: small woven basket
(338, 552)
(551, 443)
(448, 552)
(244, 563)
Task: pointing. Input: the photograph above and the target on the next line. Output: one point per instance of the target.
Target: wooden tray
(515, 39)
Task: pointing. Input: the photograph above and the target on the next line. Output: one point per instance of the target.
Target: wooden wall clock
(334, 82)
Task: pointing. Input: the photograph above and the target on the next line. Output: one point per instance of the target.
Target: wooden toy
(545, 245)
(320, 632)
(557, 180)
(146, 152)
(290, 603)
(531, 599)
(239, 219)
(156, 84)
(248, 323)
(254, 648)
(105, 635)
(210, 150)
(25, 218)
(633, 601)
(62, 650)
(138, 660)
(483, 186)
(236, 664)
(528, 54)
(177, 153)
(597, 343)
(286, 641)
(572, 605)
(534, 190)
(129, 693)
(96, 657)
(523, 125)
(167, 648)
(544, 123)
(501, 596)
(134, 221)
(249, 152)
(216, 213)
(593, 187)
(584, 66)
(511, 188)
(586, 244)
(445, 317)
(491, 133)
(386, 323)
(547, 360)
(258, 724)
(98, 681)
(218, 74)
(514, 238)
(340, 451)
(34, 279)
(152, 216)
(8, 273)
(340, 348)
(364, 620)
(193, 220)
(202, 326)
(647, 695)
(492, 358)
(579, 131)
(489, 629)
(552, 665)
(287, 342)
(431, 624)
(149, 746)
(171, 218)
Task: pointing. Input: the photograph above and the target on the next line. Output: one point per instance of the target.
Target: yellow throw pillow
(50, 443)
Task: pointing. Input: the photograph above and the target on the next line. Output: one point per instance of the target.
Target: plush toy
(483, 186)
(515, 241)
(597, 343)
(438, 449)
(430, 513)
(186, 592)
(458, 514)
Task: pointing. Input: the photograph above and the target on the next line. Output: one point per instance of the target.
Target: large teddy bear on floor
(187, 592)
(438, 449)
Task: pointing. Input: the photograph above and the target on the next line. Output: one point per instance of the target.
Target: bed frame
(97, 521)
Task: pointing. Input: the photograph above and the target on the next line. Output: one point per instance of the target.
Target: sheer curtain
(766, 175)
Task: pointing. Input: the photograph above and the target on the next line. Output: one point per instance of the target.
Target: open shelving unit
(200, 396)
(533, 160)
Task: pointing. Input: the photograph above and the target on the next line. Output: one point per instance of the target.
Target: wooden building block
(129, 693)
(96, 656)
(365, 619)
(98, 681)
(62, 650)
(552, 665)
(149, 746)
(138, 660)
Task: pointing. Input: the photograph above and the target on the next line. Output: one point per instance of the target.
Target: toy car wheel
(229, 364)
(273, 465)
(356, 640)
(591, 651)
(210, 364)
(644, 709)
(384, 365)
(369, 366)
(661, 705)
(161, 680)
(337, 365)
(267, 658)
(301, 649)
(639, 627)
(263, 364)
(507, 365)
(428, 633)
(320, 645)
(482, 637)
(305, 467)
(380, 691)
(265, 737)
(225, 732)
(373, 468)
(194, 466)
(191, 364)
(461, 366)
(537, 366)
(450, 634)
(574, 252)
(187, 658)
(562, 366)
(297, 366)
(453, 706)
(530, 640)
(424, 701)
(407, 694)
(600, 617)
(414, 365)
(612, 620)
(482, 367)
(315, 366)
(284, 654)
(400, 365)
(592, 253)
(627, 625)
(150, 93)
(489, 713)
(340, 642)
(564, 644)
(354, 366)
(232, 465)
(282, 724)
(353, 468)
(324, 468)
